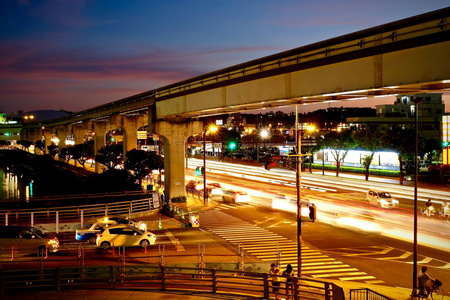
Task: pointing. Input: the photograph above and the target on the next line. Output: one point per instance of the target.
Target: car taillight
(99, 235)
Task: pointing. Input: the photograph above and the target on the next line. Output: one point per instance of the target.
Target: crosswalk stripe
(340, 274)
(358, 278)
(324, 267)
(328, 270)
(270, 247)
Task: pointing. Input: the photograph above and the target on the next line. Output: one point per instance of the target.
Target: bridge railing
(163, 278)
(71, 213)
(363, 294)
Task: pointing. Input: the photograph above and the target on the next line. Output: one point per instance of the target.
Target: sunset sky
(74, 54)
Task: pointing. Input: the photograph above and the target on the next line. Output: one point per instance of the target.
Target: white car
(124, 236)
(235, 196)
(381, 198)
(124, 221)
(89, 233)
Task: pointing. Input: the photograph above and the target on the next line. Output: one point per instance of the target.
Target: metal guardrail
(163, 278)
(66, 213)
(366, 294)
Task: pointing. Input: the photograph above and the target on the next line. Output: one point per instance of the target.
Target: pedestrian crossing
(271, 247)
(225, 206)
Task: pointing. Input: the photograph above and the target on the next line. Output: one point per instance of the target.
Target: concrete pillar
(100, 130)
(174, 136)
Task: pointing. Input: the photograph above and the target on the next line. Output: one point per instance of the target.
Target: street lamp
(212, 129)
(311, 128)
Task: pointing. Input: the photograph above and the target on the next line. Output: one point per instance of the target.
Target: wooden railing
(163, 278)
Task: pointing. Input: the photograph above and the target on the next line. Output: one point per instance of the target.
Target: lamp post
(416, 153)
(212, 129)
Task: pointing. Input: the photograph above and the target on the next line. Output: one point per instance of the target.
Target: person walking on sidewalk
(288, 273)
(275, 279)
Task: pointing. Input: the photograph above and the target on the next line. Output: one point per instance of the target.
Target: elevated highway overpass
(403, 57)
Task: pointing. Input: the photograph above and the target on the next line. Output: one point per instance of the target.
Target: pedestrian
(429, 207)
(312, 212)
(424, 281)
(288, 273)
(276, 273)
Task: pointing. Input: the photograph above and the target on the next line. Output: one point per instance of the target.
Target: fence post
(163, 278)
(58, 279)
(57, 221)
(81, 217)
(214, 281)
(295, 283)
(266, 286)
(327, 291)
(111, 277)
(2, 283)
(6, 219)
(32, 218)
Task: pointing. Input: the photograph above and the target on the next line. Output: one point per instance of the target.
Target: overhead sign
(142, 135)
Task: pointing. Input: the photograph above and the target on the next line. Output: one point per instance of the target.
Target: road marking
(359, 278)
(175, 241)
(270, 247)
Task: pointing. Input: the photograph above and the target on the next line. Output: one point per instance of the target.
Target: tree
(83, 152)
(67, 153)
(143, 163)
(40, 144)
(371, 141)
(110, 155)
(431, 147)
(52, 150)
(403, 142)
(340, 143)
(25, 143)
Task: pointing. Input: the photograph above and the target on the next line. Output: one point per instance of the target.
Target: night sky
(73, 54)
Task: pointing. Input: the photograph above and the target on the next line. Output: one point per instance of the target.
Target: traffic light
(197, 171)
(444, 144)
(202, 170)
(7, 133)
(232, 145)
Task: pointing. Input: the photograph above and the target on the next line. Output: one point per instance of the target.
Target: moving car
(381, 198)
(214, 189)
(235, 196)
(124, 236)
(196, 184)
(89, 233)
(123, 220)
(27, 239)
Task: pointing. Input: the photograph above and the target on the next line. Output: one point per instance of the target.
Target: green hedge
(386, 173)
(179, 199)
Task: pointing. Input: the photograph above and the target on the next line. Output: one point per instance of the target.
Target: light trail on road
(355, 214)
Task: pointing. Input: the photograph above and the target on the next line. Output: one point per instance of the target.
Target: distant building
(402, 115)
(11, 126)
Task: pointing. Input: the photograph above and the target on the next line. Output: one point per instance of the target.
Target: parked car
(381, 198)
(124, 236)
(89, 233)
(235, 196)
(27, 239)
(123, 220)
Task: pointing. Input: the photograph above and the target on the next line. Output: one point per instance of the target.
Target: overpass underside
(403, 57)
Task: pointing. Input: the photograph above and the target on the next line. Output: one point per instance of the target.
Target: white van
(381, 198)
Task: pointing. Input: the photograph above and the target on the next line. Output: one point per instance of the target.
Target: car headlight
(383, 202)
